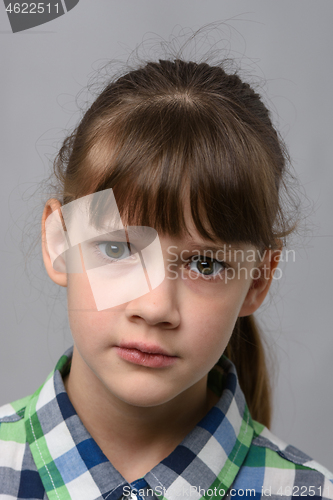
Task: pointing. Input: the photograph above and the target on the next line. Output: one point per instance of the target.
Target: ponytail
(246, 351)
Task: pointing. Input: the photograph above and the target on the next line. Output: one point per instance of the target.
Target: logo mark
(25, 15)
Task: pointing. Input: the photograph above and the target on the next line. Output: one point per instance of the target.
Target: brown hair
(173, 130)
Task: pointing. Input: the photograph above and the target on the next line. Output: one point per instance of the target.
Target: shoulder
(13, 433)
(10, 415)
(19, 477)
(11, 412)
(12, 427)
(276, 469)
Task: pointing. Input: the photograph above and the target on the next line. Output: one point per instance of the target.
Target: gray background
(288, 44)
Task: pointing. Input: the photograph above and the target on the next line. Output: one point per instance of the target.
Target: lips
(139, 353)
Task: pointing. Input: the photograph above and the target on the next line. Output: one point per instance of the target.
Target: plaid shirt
(47, 453)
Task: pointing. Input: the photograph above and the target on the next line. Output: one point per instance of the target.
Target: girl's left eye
(114, 250)
(206, 266)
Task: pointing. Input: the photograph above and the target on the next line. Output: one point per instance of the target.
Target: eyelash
(193, 258)
(110, 260)
(208, 277)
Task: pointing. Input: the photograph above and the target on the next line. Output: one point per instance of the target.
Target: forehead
(194, 234)
(194, 240)
(99, 213)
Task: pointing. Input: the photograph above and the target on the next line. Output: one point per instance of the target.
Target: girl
(167, 231)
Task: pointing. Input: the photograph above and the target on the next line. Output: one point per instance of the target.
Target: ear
(261, 284)
(51, 242)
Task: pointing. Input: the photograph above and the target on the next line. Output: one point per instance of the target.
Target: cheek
(90, 328)
(210, 322)
(79, 294)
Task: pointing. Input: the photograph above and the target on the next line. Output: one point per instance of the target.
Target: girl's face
(157, 347)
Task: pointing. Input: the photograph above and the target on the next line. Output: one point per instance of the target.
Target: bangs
(171, 153)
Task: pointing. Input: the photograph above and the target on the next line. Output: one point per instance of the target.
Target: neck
(123, 430)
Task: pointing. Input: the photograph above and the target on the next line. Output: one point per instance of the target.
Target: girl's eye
(115, 250)
(206, 266)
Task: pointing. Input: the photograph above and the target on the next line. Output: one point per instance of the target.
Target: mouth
(143, 354)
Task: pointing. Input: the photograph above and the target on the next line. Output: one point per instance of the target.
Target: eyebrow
(138, 231)
(213, 248)
(141, 231)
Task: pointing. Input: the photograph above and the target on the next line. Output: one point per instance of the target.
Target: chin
(145, 399)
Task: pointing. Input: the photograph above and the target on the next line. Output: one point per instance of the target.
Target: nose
(158, 307)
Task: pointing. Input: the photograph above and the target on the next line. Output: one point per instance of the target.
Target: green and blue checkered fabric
(47, 453)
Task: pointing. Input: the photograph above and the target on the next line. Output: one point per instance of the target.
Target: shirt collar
(72, 466)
